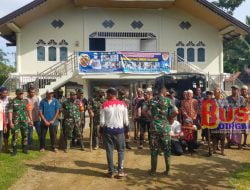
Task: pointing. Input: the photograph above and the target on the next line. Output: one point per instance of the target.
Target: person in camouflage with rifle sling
(94, 107)
(122, 95)
(20, 118)
(160, 109)
(72, 120)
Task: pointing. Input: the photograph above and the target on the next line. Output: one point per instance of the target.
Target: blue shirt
(49, 109)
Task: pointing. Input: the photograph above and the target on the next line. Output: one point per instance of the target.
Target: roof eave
(21, 11)
(225, 15)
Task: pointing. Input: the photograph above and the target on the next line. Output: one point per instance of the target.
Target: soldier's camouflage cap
(19, 91)
(96, 89)
(80, 91)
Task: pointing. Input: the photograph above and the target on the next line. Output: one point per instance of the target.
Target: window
(63, 54)
(40, 53)
(201, 54)
(190, 54)
(52, 53)
(97, 44)
(180, 54)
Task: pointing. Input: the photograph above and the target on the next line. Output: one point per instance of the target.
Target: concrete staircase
(51, 78)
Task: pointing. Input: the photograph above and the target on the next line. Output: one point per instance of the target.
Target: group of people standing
(171, 124)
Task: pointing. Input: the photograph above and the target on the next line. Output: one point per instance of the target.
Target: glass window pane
(180, 54)
(201, 54)
(40, 53)
(63, 54)
(190, 54)
(52, 54)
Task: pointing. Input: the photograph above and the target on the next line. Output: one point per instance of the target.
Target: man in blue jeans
(34, 102)
(113, 118)
(49, 110)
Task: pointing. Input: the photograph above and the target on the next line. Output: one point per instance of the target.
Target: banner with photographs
(124, 62)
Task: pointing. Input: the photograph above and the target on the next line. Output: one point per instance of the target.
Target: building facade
(47, 32)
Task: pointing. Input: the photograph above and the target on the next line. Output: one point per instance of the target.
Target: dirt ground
(86, 171)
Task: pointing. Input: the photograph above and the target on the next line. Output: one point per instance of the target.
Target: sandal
(122, 174)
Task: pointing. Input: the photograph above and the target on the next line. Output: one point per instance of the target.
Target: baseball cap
(50, 91)
(235, 86)
(244, 87)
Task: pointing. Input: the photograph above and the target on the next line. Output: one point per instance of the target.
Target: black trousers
(144, 126)
(176, 147)
(52, 133)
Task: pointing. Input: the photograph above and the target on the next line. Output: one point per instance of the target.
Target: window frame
(55, 53)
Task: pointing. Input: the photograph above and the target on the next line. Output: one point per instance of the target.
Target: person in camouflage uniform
(61, 98)
(122, 95)
(84, 102)
(94, 112)
(72, 120)
(20, 119)
(160, 109)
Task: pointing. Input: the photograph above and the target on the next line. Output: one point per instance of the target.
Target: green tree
(5, 69)
(237, 53)
(228, 5)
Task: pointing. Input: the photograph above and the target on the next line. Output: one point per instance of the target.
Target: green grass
(241, 178)
(12, 168)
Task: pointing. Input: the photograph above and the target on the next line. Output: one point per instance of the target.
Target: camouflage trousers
(72, 128)
(23, 127)
(160, 142)
(96, 132)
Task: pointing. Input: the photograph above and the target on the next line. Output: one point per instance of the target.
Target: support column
(18, 52)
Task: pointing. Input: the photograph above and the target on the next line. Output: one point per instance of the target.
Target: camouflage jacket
(71, 110)
(19, 109)
(160, 109)
(95, 105)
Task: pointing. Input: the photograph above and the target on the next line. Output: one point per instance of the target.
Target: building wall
(80, 23)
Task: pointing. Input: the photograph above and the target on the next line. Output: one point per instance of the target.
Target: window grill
(142, 35)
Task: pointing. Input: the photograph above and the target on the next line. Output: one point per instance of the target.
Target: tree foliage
(228, 5)
(236, 51)
(5, 69)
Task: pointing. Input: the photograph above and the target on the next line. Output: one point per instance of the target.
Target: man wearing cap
(160, 140)
(94, 112)
(136, 112)
(20, 118)
(244, 93)
(235, 101)
(72, 120)
(84, 101)
(122, 95)
(113, 118)
(5, 105)
(48, 111)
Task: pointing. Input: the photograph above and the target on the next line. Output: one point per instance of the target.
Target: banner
(124, 62)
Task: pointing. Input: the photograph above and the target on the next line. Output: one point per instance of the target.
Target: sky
(7, 6)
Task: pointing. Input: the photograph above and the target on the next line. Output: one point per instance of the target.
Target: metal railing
(40, 80)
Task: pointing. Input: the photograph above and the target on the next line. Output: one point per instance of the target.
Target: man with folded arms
(113, 118)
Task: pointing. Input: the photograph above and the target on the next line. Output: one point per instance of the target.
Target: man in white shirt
(176, 134)
(113, 118)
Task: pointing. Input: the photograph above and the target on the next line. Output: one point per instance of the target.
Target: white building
(47, 32)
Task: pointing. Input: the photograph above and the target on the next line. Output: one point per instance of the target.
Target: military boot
(154, 156)
(25, 149)
(14, 151)
(81, 145)
(67, 145)
(128, 146)
(167, 162)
